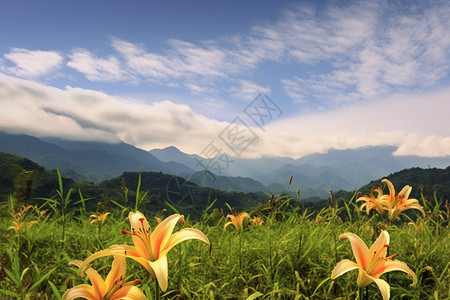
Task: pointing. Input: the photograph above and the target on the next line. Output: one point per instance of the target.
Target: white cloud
(248, 90)
(373, 50)
(33, 63)
(97, 69)
(416, 124)
(81, 114)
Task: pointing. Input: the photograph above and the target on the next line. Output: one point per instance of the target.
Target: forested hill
(27, 181)
(24, 179)
(428, 181)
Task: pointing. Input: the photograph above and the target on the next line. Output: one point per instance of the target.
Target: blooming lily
(371, 263)
(397, 204)
(237, 220)
(372, 202)
(257, 221)
(20, 226)
(99, 217)
(111, 288)
(150, 248)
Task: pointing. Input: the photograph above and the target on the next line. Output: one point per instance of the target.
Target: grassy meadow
(291, 255)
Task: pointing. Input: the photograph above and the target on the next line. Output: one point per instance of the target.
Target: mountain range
(315, 174)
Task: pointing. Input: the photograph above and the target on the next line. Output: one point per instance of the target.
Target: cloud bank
(412, 123)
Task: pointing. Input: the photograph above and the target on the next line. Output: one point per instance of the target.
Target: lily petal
(129, 292)
(226, 225)
(123, 250)
(184, 235)
(359, 248)
(396, 265)
(137, 220)
(161, 271)
(343, 267)
(162, 234)
(384, 288)
(379, 248)
(405, 192)
(80, 291)
(391, 191)
(97, 281)
(118, 269)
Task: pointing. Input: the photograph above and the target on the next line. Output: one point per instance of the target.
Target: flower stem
(157, 294)
(240, 253)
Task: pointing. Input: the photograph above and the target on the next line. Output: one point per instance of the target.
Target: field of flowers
(279, 251)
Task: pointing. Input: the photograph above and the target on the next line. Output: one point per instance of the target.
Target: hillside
(427, 180)
(90, 161)
(227, 183)
(27, 181)
(347, 169)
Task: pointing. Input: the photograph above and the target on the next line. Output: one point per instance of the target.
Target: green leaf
(137, 191)
(61, 191)
(118, 204)
(9, 293)
(55, 290)
(41, 279)
(15, 279)
(255, 295)
(172, 207)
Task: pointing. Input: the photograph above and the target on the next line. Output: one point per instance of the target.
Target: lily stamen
(392, 256)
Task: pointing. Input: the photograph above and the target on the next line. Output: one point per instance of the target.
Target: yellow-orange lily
(99, 217)
(371, 202)
(400, 202)
(150, 248)
(111, 288)
(257, 221)
(237, 220)
(20, 226)
(371, 263)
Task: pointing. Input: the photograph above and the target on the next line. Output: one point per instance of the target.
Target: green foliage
(290, 256)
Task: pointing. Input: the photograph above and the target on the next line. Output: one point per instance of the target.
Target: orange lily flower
(99, 217)
(237, 220)
(397, 204)
(150, 248)
(111, 288)
(20, 226)
(257, 221)
(372, 202)
(371, 263)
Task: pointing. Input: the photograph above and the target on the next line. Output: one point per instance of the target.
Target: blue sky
(337, 74)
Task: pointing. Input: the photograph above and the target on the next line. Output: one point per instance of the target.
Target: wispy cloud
(97, 69)
(32, 63)
(360, 50)
(248, 90)
(372, 51)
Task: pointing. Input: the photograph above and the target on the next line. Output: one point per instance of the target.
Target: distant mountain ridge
(86, 160)
(315, 174)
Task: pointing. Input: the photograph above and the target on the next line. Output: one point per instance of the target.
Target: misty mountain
(315, 174)
(173, 154)
(226, 183)
(89, 161)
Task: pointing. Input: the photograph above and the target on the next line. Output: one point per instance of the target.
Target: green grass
(290, 256)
